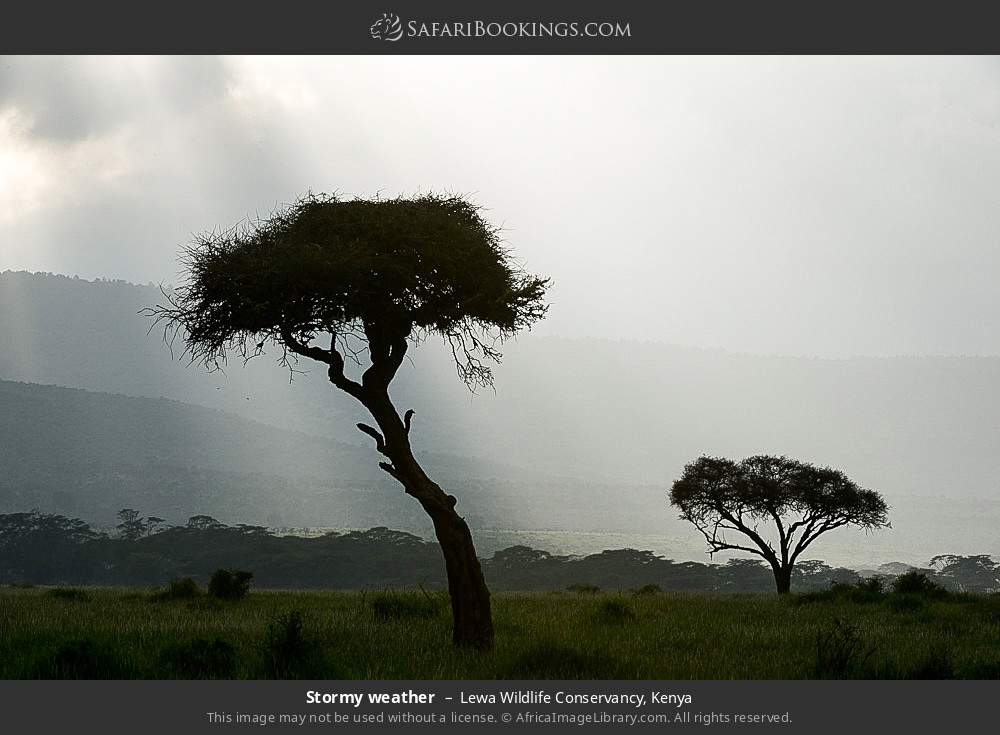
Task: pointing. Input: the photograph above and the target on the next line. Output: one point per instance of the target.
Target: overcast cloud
(828, 206)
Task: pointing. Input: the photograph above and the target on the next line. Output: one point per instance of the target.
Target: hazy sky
(827, 206)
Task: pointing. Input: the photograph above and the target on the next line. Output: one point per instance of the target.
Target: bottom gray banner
(504, 706)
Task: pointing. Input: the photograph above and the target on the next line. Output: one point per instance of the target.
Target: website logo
(387, 28)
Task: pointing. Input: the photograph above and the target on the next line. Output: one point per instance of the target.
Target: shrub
(288, 653)
(68, 593)
(80, 658)
(613, 612)
(584, 589)
(917, 583)
(841, 653)
(183, 588)
(402, 605)
(873, 585)
(200, 658)
(229, 584)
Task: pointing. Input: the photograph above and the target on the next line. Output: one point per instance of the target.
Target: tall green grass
(127, 633)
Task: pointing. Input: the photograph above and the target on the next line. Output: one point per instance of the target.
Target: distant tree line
(48, 549)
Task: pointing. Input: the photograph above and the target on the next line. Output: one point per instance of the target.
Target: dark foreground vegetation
(914, 631)
(150, 601)
(45, 549)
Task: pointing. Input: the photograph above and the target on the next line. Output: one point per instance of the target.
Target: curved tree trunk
(470, 598)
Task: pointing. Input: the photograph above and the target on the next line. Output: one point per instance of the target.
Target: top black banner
(515, 27)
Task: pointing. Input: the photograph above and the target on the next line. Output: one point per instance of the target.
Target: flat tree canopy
(375, 270)
(727, 500)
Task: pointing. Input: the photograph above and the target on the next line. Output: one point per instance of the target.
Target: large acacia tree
(354, 284)
(726, 500)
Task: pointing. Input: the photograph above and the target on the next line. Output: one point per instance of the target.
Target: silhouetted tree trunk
(470, 598)
(783, 579)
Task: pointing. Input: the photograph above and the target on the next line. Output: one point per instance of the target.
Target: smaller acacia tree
(722, 497)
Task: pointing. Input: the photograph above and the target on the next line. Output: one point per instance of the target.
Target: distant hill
(580, 434)
(90, 454)
(630, 412)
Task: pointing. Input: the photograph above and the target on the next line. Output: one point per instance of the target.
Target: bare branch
(331, 357)
(386, 467)
(374, 434)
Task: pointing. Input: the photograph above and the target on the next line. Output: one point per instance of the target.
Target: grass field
(127, 633)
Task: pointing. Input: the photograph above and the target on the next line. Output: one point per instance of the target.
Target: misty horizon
(548, 450)
(168, 286)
